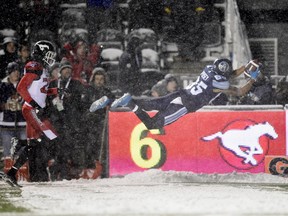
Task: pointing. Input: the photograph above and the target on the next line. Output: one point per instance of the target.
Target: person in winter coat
(83, 58)
(66, 114)
(24, 56)
(130, 65)
(13, 123)
(93, 135)
(10, 54)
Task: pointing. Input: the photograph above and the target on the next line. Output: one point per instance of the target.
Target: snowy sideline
(155, 192)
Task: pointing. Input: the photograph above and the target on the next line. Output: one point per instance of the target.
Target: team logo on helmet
(44, 51)
(223, 66)
(243, 144)
(43, 47)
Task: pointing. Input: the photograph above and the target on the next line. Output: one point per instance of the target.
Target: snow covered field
(155, 192)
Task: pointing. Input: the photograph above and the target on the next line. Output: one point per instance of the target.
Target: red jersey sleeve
(23, 85)
(33, 71)
(52, 91)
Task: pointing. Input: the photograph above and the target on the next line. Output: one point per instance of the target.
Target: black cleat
(9, 179)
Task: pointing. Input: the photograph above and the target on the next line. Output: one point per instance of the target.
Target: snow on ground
(156, 192)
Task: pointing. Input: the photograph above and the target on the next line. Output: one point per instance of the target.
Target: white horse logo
(248, 138)
(43, 46)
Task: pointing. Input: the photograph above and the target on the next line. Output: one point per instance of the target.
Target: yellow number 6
(139, 144)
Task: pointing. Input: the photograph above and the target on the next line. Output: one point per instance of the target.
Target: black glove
(34, 104)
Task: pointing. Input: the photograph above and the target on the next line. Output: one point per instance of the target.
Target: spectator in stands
(82, 57)
(281, 93)
(158, 90)
(168, 85)
(10, 54)
(130, 64)
(54, 71)
(23, 56)
(66, 115)
(93, 135)
(172, 84)
(261, 92)
(13, 123)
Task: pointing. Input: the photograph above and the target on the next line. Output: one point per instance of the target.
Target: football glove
(34, 104)
(252, 69)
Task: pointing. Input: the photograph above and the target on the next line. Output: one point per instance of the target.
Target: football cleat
(9, 179)
(99, 104)
(122, 101)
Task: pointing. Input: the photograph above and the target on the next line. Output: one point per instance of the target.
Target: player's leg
(122, 101)
(37, 155)
(140, 106)
(154, 103)
(23, 157)
(147, 104)
(38, 160)
(18, 142)
(37, 126)
(163, 117)
(34, 130)
(173, 113)
(16, 146)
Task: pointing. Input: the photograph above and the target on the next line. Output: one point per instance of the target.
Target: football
(252, 66)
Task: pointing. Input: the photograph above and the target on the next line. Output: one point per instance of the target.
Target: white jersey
(33, 87)
(38, 89)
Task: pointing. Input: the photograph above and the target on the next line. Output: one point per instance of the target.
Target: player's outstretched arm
(251, 65)
(235, 91)
(238, 72)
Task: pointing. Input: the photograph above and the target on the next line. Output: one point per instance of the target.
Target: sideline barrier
(207, 141)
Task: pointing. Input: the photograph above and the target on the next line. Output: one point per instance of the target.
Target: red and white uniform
(34, 87)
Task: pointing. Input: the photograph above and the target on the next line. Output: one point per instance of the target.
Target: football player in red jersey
(33, 88)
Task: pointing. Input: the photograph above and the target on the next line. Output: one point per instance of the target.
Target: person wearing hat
(130, 64)
(159, 89)
(24, 56)
(13, 123)
(82, 57)
(93, 135)
(165, 86)
(10, 54)
(54, 71)
(67, 112)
